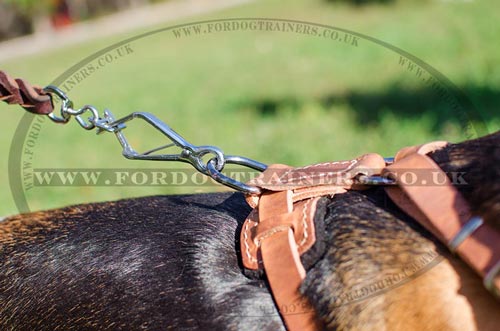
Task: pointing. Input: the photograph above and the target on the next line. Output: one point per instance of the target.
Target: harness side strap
(438, 206)
(18, 91)
(284, 270)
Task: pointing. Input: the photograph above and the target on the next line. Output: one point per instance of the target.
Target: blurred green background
(272, 96)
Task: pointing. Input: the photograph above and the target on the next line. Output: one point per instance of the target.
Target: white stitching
(304, 222)
(302, 242)
(322, 164)
(272, 231)
(312, 166)
(245, 234)
(323, 174)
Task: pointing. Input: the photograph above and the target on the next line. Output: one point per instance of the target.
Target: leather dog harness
(280, 228)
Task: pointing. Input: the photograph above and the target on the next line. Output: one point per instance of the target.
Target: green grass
(273, 96)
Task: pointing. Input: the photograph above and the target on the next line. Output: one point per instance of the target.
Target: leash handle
(20, 92)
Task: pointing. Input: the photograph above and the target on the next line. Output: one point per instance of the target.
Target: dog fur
(172, 262)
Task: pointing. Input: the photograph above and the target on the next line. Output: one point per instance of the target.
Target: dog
(173, 263)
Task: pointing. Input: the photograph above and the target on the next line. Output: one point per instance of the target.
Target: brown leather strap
(300, 220)
(445, 209)
(284, 270)
(317, 179)
(18, 91)
(435, 203)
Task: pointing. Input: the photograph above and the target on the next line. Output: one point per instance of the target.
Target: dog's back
(149, 263)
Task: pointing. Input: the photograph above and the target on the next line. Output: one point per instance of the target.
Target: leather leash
(20, 92)
(281, 228)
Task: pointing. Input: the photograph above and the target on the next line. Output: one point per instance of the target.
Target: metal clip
(189, 153)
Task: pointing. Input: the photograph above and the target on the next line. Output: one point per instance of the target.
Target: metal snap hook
(66, 104)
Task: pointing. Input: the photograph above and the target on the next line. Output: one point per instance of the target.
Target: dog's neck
(368, 240)
(474, 168)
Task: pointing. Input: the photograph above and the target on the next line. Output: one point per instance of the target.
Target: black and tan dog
(171, 262)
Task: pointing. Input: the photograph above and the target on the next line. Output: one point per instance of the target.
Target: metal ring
(52, 89)
(73, 112)
(95, 116)
(57, 119)
(472, 225)
(228, 181)
(488, 280)
(200, 151)
(66, 104)
(244, 161)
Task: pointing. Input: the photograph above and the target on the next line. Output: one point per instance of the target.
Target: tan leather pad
(302, 223)
(339, 173)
